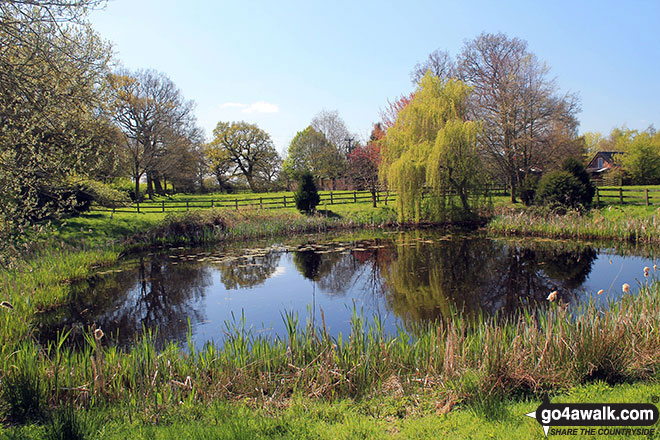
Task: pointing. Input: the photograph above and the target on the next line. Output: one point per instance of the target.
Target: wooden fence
(640, 196)
(261, 202)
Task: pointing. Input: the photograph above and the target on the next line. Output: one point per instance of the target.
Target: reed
(610, 223)
(461, 361)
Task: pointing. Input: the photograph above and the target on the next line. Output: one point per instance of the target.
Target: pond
(402, 277)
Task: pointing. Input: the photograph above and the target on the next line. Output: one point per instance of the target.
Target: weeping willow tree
(432, 148)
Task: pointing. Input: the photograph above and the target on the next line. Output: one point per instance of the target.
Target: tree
(516, 101)
(439, 63)
(641, 160)
(306, 196)
(334, 129)
(311, 151)
(220, 164)
(390, 113)
(248, 147)
(152, 113)
(55, 131)
(269, 169)
(432, 144)
(363, 163)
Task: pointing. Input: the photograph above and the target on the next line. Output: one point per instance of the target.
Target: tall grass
(459, 361)
(599, 224)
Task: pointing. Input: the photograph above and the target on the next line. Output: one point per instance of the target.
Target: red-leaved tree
(363, 163)
(389, 114)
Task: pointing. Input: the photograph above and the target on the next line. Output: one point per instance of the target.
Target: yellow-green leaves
(431, 145)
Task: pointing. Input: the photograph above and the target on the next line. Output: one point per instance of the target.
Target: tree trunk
(150, 186)
(250, 180)
(158, 188)
(513, 189)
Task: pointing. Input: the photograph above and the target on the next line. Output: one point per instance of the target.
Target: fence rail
(621, 195)
(262, 202)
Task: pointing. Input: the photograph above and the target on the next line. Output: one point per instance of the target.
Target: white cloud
(257, 107)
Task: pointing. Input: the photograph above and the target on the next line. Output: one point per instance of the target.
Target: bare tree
(439, 62)
(517, 102)
(333, 127)
(151, 112)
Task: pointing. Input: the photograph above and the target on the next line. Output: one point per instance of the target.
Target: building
(603, 166)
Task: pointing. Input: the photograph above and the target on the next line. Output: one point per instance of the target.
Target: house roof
(608, 156)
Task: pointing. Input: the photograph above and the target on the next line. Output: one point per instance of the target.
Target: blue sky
(277, 64)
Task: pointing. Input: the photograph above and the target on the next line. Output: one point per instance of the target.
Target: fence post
(646, 193)
(261, 203)
(621, 195)
(354, 196)
(163, 205)
(387, 196)
(597, 197)
(236, 201)
(284, 199)
(332, 202)
(138, 206)
(187, 206)
(211, 203)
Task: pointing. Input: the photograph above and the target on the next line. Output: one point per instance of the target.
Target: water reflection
(154, 293)
(414, 276)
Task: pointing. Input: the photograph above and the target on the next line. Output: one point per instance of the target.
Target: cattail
(655, 267)
(600, 292)
(625, 288)
(98, 334)
(6, 305)
(646, 271)
(552, 296)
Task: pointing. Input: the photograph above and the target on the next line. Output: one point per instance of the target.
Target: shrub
(576, 168)
(307, 195)
(105, 195)
(562, 188)
(528, 188)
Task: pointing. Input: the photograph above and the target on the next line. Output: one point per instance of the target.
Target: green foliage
(642, 159)
(561, 188)
(528, 188)
(23, 396)
(569, 188)
(432, 144)
(306, 196)
(242, 148)
(104, 194)
(311, 151)
(53, 122)
(70, 424)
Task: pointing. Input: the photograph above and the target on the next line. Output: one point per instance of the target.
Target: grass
(629, 223)
(482, 368)
(459, 362)
(303, 418)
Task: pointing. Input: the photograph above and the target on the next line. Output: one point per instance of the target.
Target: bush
(307, 195)
(105, 195)
(562, 188)
(528, 188)
(576, 168)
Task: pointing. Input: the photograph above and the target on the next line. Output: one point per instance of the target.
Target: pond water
(404, 277)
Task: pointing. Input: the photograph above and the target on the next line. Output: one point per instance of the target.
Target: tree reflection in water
(470, 276)
(419, 276)
(155, 294)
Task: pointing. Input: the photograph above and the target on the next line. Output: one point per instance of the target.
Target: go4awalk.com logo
(596, 418)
